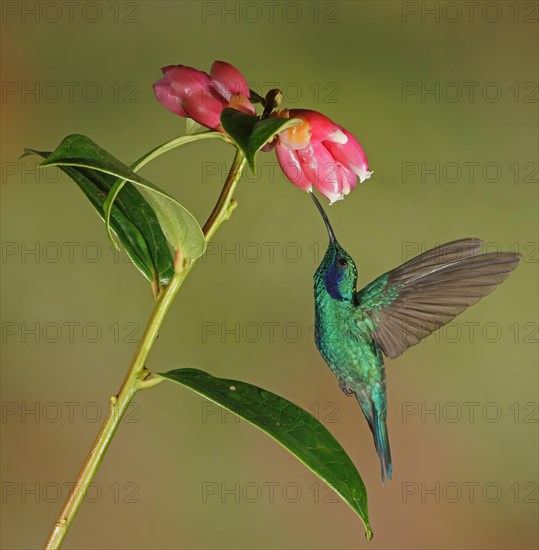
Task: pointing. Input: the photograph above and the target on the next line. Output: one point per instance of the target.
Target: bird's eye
(342, 262)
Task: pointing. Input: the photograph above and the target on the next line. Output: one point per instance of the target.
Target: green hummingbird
(354, 330)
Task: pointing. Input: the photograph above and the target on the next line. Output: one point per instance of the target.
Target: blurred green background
(443, 96)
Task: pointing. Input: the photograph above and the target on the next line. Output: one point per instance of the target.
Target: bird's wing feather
(413, 300)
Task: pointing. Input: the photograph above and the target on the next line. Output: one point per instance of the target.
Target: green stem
(172, 144)
(225, 204)
(137, 376)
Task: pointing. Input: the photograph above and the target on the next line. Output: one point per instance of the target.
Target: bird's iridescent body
(353, 330)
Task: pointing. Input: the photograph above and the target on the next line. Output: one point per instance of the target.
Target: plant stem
(135, 378)
(225, 205)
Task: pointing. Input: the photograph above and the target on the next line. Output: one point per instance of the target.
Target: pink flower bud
(228, 80)
(186, 80)
(168, 97)
(204, 108)
(202, 97)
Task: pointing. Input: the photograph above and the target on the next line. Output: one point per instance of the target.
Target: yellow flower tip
(297, 137)
(241, 103)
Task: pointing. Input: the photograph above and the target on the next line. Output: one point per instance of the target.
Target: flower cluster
(202, 97)
(321, 153)
(316, 152)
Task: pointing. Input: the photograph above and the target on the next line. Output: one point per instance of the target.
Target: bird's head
(337, 274)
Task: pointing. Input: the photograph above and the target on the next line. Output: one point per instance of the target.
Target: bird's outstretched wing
(413, 300)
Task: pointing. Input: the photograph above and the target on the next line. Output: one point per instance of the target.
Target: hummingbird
(354, 330)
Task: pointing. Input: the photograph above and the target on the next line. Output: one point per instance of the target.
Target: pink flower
(320, 153)
(194, 94)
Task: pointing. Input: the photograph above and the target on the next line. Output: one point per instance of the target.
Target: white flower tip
(363, 175)
(335, 198)
(339, 137)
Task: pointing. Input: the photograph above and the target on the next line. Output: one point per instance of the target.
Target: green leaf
(178, 225)
(265, 129)
(239, 127)
(256, 98)
(148, 157)
(192, 127)
(295, 429)
(250, 133)
(182, 229)
(132, 219)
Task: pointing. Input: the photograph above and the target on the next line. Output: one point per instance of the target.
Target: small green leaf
(193, 127)
(183, 231)
(239, 127)
(266, 129)
(295, 429)
(132, 219)
(256, 98)
(250, 133)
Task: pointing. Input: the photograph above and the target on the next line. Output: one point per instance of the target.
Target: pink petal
(348, 179)
(320, 168)
(228, 80)
(168, 97)
(204, 108)
(350, 155)
(291, 167)
(322, 128)
(186, 80)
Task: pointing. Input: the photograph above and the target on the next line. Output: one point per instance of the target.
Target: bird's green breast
(343, 335)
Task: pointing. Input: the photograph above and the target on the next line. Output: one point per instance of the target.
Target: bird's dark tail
(374, 410)
(381, 441)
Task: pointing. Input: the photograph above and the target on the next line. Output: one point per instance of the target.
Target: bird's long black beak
(332, 238)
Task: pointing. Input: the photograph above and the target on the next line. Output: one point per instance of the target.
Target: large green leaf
(132, 219)
(81, 152)
(295, 429)
(250, 133)
(145, 159)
